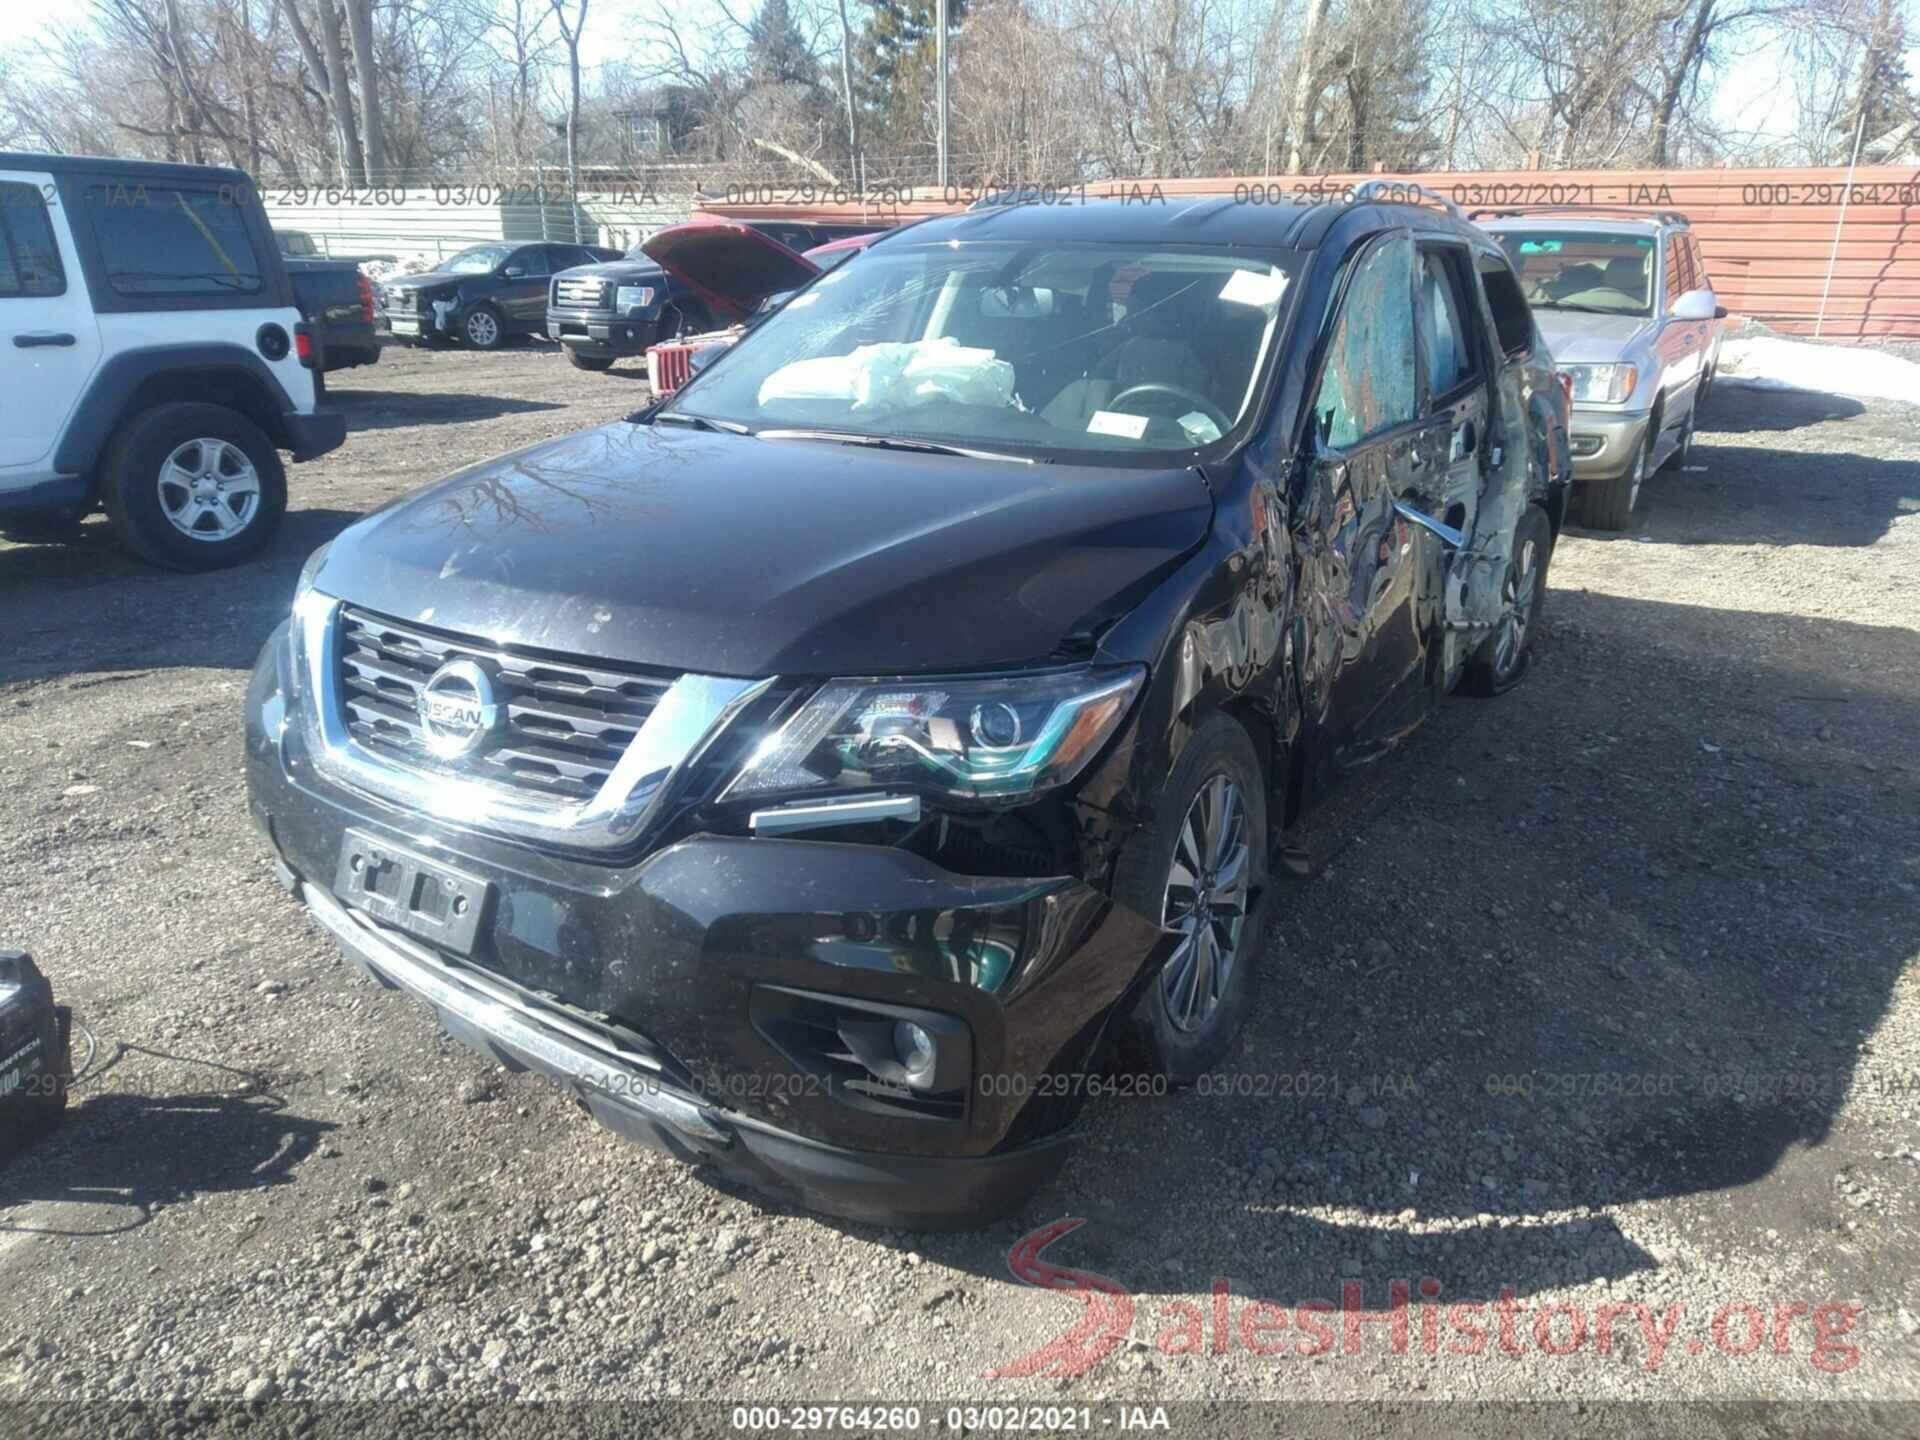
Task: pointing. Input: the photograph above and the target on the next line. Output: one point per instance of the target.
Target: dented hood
(730, 555)
(731, 266)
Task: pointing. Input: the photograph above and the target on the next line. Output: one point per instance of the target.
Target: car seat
(1163, 311)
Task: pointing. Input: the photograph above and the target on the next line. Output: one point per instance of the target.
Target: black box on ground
(35, 1060)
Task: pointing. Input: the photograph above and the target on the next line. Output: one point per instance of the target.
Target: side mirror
(1694, 305)
(514, 272)
(1719, 312)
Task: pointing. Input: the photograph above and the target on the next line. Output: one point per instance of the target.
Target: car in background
(159, 363)
(822, 774)
(739, 269)
(336, 298)
(1625, 304)
(621, 309)
(484, 295)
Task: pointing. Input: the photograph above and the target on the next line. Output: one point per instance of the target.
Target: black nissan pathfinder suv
(819, 771)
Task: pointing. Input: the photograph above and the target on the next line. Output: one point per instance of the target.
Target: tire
(162, 520)
(1609, 504)
(1683, 452)
(1496, 667)
(45, 527)
(1174, 1031)
(588, 362)
(484, 328)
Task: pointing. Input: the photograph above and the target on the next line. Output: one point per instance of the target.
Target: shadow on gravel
(86, 605)
(120, 1152)
(1745, 409)
(1622, 936)
(1778, 490)
(395, 409)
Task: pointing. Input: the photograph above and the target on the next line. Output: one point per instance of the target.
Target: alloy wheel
(209, 490)
(1523, 584)
(482, 329)
(1206, 902)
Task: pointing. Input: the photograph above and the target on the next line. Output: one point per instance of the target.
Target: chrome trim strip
(1426, 522)
(693, 713)
(509, 1023)
(811, 815)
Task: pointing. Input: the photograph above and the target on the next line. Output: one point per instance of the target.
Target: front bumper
(601, 334)
(637, 1104)
(677, 950)
(1605, 442)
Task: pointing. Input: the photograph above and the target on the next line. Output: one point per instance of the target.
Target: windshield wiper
(1585, 309)
(888, 442)
(232, 281)
(700, 422)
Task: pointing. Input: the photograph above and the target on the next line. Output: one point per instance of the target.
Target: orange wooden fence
(1767, 234)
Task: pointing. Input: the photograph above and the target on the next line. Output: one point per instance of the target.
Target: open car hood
(731, 266)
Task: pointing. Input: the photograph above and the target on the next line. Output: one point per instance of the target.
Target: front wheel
(1199, 871)
(192, 486)
(1502, 657)
(587, 362)
(483, 329)
(1609, 504)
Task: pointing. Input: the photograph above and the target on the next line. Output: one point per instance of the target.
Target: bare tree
(372, 130)
(570, 28)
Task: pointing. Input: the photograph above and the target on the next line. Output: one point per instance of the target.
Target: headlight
(632, 297)
(1601, 384)
(999, 738)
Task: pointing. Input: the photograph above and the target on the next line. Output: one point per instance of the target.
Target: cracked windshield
(1031, 351)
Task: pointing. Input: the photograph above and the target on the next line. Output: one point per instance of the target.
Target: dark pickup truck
(337, 300)
(620, 307)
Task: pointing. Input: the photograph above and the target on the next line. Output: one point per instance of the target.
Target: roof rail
(1401, 192)
(1665, 217)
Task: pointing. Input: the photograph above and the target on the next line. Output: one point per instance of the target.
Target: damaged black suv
(821, 772)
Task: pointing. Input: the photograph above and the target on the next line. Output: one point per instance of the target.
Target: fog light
(913, 1047)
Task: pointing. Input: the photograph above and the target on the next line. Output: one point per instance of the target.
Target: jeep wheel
(587, 362)
(1198, 870)
(193, 487)
(483, 328)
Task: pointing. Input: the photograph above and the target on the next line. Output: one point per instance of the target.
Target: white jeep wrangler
(152, 360)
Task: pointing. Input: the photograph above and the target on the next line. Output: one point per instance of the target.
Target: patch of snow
(1770, 363)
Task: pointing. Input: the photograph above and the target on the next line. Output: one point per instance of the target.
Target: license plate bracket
(403, 326)
(428, 898)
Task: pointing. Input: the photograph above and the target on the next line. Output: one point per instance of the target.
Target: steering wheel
(1175, 392)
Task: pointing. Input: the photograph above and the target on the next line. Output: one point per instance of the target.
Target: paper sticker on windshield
(1254, 287)
(1113, 422)
(1200, 428)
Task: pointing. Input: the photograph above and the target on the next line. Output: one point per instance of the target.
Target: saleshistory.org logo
(1318, 1327)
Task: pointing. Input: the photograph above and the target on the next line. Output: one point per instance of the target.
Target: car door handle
(41, 337)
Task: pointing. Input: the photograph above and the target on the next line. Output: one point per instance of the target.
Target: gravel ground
(1600, 994)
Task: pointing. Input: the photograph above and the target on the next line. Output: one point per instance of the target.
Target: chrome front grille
(405, 300)
(581, 294)
(565, 724)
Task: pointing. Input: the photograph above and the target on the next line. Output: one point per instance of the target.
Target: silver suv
(1625, 305)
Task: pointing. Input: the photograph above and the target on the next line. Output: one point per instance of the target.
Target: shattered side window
(1368, 383)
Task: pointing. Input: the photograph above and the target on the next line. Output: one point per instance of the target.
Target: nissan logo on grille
(458, 709)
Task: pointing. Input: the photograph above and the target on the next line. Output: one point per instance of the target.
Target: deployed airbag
(895, 375)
